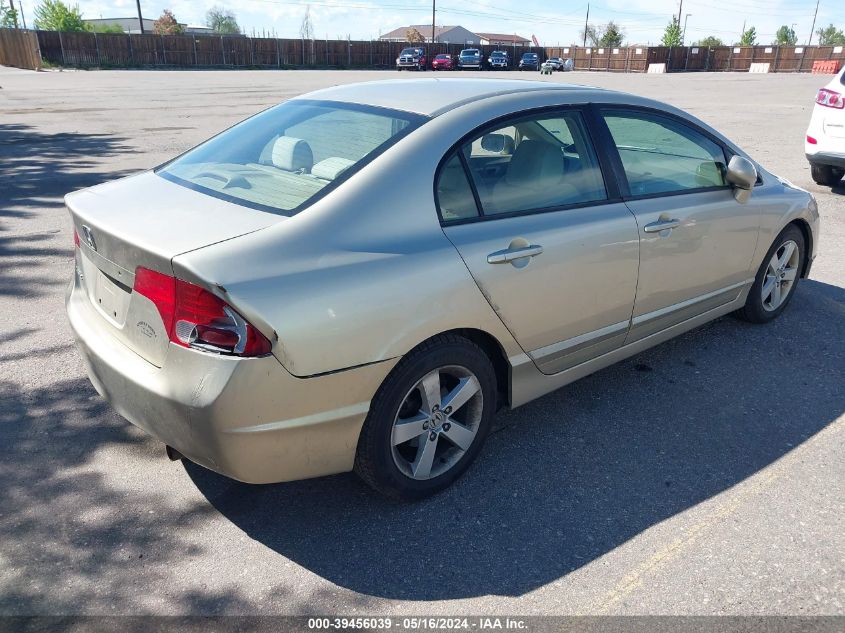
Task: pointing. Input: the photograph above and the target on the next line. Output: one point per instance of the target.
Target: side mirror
(742, 174)
(497, 143)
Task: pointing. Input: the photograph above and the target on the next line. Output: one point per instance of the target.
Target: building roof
(433, 96)
(424, 29)
(502, 37)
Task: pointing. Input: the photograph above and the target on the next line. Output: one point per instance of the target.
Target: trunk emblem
(89, 237)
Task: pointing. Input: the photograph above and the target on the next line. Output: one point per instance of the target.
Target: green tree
(55, 15)
(710, 40)
(222, 21)
(105, 28)
(831, 36)
(672, 34)
(785, 36)
(749, 37)
(612, 36)
(167, 24)
(8, 17)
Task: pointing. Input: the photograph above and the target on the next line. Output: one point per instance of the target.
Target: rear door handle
(661, 225)
(510, 254)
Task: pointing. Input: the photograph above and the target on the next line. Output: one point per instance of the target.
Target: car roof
(433, 96)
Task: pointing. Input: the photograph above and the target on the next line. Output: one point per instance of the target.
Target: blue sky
(552, 22)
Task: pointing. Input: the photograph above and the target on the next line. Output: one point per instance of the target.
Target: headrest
(292, 154)
(331, 168)
(535, 162)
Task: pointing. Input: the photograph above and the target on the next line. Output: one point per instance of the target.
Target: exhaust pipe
(173, 454)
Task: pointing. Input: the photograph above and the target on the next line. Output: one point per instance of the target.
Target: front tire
(777, 277)
(428, 420)
(826, 175)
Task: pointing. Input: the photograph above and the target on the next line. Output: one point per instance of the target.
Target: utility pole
(741, 35)
(140, 17)
(684, 36)
(680, 12)
(433, 3)
(586, 24)
(23, 17)
(810, 41)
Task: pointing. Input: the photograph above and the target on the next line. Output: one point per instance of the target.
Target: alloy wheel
(780, 275)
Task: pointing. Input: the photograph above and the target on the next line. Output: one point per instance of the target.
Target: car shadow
(576, 474)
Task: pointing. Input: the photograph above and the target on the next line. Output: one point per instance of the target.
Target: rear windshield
(470, 51)
(284, 158)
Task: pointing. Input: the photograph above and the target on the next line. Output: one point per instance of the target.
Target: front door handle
(510, 254)
(661, 225)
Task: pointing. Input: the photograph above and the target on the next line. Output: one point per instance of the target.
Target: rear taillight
(75, 239)
(193, 317)
(811, 140)
(830, 99)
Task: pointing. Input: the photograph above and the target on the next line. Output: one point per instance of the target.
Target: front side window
(537, 163)
(281, 159)
(662, 155)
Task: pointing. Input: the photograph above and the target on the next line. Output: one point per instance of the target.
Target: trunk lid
(146, 221)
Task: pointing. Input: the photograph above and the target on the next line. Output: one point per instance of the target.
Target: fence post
(163, 51)
(97, 48)
(371, 58)
(777, 55)
(278, 54)
(252, 49)
(627, 62)
(62, 46)
(348, 52)
(223, 50)
(131, 53)
(196, 59)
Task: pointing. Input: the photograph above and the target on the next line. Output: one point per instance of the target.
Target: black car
(499, 60)
(470, 58)
(529, 61)
(412, 57)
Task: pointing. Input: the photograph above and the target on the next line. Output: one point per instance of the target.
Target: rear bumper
(248, 419)
(827, 158)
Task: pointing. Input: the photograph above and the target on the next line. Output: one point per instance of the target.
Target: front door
(696, 240)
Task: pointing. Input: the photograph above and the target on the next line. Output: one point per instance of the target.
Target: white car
(825, 142)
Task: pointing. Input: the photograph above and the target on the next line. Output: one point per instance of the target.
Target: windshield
(498, 54)
(470, 51)
(442, 57)
(410, 51)
(530, 56)
(283, 158)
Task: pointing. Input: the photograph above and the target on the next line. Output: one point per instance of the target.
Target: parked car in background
(568, 64)
(411, 58)
(470, 58)
(499, 60)
(555, 62)
(443, 62)
(360, 277)
(824, 144)
(547, 67)
(529, 61)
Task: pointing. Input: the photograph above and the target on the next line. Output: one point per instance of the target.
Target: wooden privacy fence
(19, 48)
(27, 48)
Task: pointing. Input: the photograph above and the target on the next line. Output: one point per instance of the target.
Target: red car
(443, 62)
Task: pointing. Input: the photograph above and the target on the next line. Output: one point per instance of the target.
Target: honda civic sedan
(360, 277)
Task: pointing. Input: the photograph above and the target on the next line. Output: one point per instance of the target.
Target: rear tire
(405, 462)
(826, 175)
(777, 278)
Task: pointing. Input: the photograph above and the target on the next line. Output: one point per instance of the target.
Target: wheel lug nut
(447, 426)
(447, 410)
(425, 426)
(432, 436)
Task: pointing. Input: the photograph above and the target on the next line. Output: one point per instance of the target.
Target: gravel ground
(704, 476)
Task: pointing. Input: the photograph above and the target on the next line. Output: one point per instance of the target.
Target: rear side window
(282, 159)
(661, 155)
(535, 163)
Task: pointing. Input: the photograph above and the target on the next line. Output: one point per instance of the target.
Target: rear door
(548, 242)
(696, 240)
